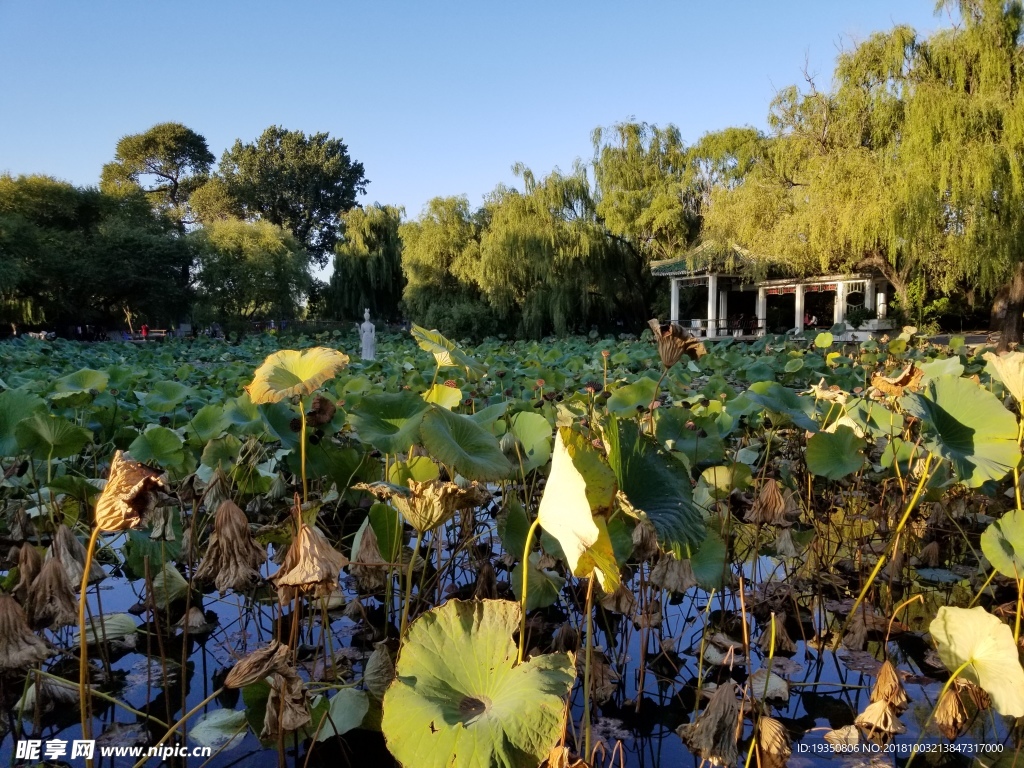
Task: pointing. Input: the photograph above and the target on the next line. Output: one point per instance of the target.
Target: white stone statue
(368, 336)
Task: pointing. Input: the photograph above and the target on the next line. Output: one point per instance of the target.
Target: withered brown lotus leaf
(67, 549)
(311, 565)
(367, 565)
(783, 642)
(129, 495)
(951, 715)
(604, 680)
(19, 647)
(907, 379)
(321, 411)
(286, 705)
(233, 557)
(486, 587)
(772, 507)
(929, 555)
(772, 737)
(673, 575)
(218, 490)
(713, 735)
(379, 671)
(889, 688)
(880, 717)
(651, 617)
(258, 665)
(195, 622)
(976, 694)
(431, 503)
(645, 541)
(30, 563)
(673, 342)
(560, 757)
(619, 601)
(51, 598)
(49, 693)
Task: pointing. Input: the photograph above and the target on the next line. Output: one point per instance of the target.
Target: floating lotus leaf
(389, 422)
(967, 425)
(835, 454)
(461, 443)
(221, 730)
(460, 700)
(164, 396)
(292, 372)
(975, 637)
(1003, 544)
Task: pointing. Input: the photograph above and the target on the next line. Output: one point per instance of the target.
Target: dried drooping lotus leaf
(30, 563)
(566, 639)
(128, 496)
(311, 565)
(771, 507)
(233, 557)
(429, 504)
(651, 616)
(162, 523)
(907, 379)
(976, 694)
(784, 545)
(951, 715)
(645, 541)
(49, 692)
(195, 622)
(367, 565)
(286, 705)
(603, 679)
(51, 598)
(19, 647)
(560, 757)
(218, 490)
(673, 575)
(67, 549)
(713, 735)
(321, 411)
(379, 671)
(773, 738)
(619, 601)
(929, 555)
(847, 736)
(783, 642)
(768, 685)
(486, 587)
(889, 688)
(674, 342)
(258, 665)
(880, 717)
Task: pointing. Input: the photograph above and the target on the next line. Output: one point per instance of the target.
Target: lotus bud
(311, 564)
(30, 563)
(233, 557)
(258, 665)
(19, 647)
(128, 496)
(51, 599)
(713, 735)
(889, 688)
(71, 553)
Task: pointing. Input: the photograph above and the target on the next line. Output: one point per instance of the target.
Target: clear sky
(434, 97)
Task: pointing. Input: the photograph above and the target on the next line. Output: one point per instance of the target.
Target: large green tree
(368, 264)
(73, 256)
(249, 270)
(299, 182)
(168, 163)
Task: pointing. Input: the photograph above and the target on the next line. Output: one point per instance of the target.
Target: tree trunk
(1012, 327)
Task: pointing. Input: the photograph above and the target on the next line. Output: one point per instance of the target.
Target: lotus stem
(586, 665)
(302, 451)
(177, 725)
(83, 653)
(764, 694)
(526, 574)
(931, 715)
(1020, 606)
(408, 584)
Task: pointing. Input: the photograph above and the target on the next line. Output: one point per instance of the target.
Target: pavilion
(734, 303)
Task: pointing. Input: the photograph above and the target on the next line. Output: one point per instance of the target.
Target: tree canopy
(368, 264)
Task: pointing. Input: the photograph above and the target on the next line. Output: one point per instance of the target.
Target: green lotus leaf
(488, 417)
(444, 396)
(82, 381)
(655, 484)
(794, 365)
(221, 730)
(724, 479)
(710, 562)
(542, 586)
(579, 484)
(164, 396)
(390, 422)
(278, 418)
(460, 442)
(785, 405)
(209, 422)
(534, 434)
(46, 436)
(446, 353)
(243, 417)
(975, 637)
(158, 445)
(824, 340)
(419, 468)
(387, 526)
(1003, 544)
(967, 425)
(697, 448)
(293, 372)
(346, 710)
(460, 701)
(629, 400)
(222, 452)
(835, 454)
(15, 405)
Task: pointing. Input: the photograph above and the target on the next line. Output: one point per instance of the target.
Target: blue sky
(433, 97)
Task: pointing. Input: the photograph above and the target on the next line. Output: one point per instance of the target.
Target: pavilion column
(761, 310)
(674, 311)
(881, 303)
(799, 304)
(712, 305)
(869, 295)
(723, 306)
(839, 308)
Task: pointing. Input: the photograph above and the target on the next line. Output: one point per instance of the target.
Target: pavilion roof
(709, 256)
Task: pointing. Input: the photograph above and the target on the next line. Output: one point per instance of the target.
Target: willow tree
(368, 263)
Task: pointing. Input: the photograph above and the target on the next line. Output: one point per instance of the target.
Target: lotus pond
(576, 552)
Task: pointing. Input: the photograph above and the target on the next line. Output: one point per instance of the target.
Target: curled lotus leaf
(461, 701)
(293, 372)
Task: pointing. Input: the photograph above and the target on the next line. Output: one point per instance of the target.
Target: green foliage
(368, 264)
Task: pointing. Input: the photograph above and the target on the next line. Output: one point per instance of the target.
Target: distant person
(144, 330)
